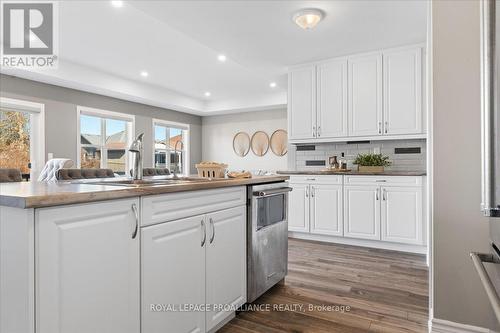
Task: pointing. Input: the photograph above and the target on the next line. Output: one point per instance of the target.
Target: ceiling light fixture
(222, 58)
(207, 94)
(308, 18)
(144, 74)
(272, 84)
(117, 3)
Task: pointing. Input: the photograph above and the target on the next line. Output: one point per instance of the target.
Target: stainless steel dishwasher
(267, 235)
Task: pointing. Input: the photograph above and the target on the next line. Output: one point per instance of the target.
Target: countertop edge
(355, 173)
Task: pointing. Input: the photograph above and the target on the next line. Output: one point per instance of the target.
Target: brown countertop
(354, 172)
(38, 194)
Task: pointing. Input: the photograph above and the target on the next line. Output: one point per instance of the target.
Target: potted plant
(371, 162)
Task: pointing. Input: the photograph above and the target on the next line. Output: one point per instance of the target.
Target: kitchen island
(81, 257)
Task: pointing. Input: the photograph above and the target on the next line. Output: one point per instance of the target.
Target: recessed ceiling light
(308, 18)
(207, 94)
(117, 3)
(221, 57)
(144, 74)
(272, 84)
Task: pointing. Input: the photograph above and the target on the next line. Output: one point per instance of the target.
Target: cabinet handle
(307, 192)
(376, 195)
(319, 131)
(204, 239)
(384, 195)
(386, 126)
(136, 229)
(312, 191)
(213, 230)
(379, 127)
(314, 131)
(311, 179)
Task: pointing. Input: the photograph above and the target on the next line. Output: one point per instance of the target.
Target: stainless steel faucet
(177, 158)
(137, 148)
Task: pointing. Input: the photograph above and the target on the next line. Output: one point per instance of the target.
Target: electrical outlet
(50, 156)
(376, 150)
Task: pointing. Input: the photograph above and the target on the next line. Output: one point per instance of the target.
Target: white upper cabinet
(332, 99)
(365, 95)
(87, 268)
(403, 91)
(302, 103)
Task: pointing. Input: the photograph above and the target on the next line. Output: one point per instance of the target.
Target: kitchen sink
(151, 182)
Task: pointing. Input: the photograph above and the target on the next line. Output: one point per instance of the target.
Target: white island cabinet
(87, 268)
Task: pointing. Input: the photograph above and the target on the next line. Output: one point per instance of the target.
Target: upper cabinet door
(87, 267)
(365, 95)
(332, 99)
(226, 263)
(403, 91)
(302, 103)
(326, 209)
(173, 273)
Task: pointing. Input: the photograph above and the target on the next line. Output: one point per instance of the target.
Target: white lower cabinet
(173, 274)
(226, 263)
(193, 261)
(362, 211)
(326, 209)
(402, 214)
(388, 209)
(87, 268)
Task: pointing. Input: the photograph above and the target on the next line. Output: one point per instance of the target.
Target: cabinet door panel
(326, 208)
(298, 217)
(226, 262)
(173, 273)
(403, 91)
(365, 95)
(362, 212)
(87, 268)
(302, 103)
(332, 99)
(402, 214)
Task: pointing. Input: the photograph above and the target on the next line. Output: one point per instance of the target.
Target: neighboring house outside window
(104, 138)
(166, 136)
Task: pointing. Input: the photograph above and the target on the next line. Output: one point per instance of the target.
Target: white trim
(105, 114)
(360, 138)
(445, 326)
(171, 124)
(37, 133)
(419, 249)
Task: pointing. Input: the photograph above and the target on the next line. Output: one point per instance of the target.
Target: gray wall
(219, 131)
(61, 116)
(457, 223)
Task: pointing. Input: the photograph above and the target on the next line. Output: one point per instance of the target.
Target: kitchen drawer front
(174, 206)
(317, 179)
(384, 180)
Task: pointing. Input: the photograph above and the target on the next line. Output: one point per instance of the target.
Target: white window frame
(37, 130)
(186, 149)
(105, 114)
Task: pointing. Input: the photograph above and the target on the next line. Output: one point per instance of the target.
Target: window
(104, 138)
(22, 141)
(166, 137)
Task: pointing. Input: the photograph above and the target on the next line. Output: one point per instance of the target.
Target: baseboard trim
(420, 249)
(445, 326)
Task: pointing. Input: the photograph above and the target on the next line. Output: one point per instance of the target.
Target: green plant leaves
(372, 160)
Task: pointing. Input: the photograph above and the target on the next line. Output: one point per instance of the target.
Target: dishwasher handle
(274, 191)
(478, 259)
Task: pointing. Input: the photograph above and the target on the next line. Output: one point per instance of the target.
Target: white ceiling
(103, 49)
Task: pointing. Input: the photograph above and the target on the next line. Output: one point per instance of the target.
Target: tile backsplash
(405, 155)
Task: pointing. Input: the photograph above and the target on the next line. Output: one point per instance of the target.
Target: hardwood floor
(385, 291)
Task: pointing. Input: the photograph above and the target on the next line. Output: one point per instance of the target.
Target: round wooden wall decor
(260, 143)
(241, 144)
(279, 142)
